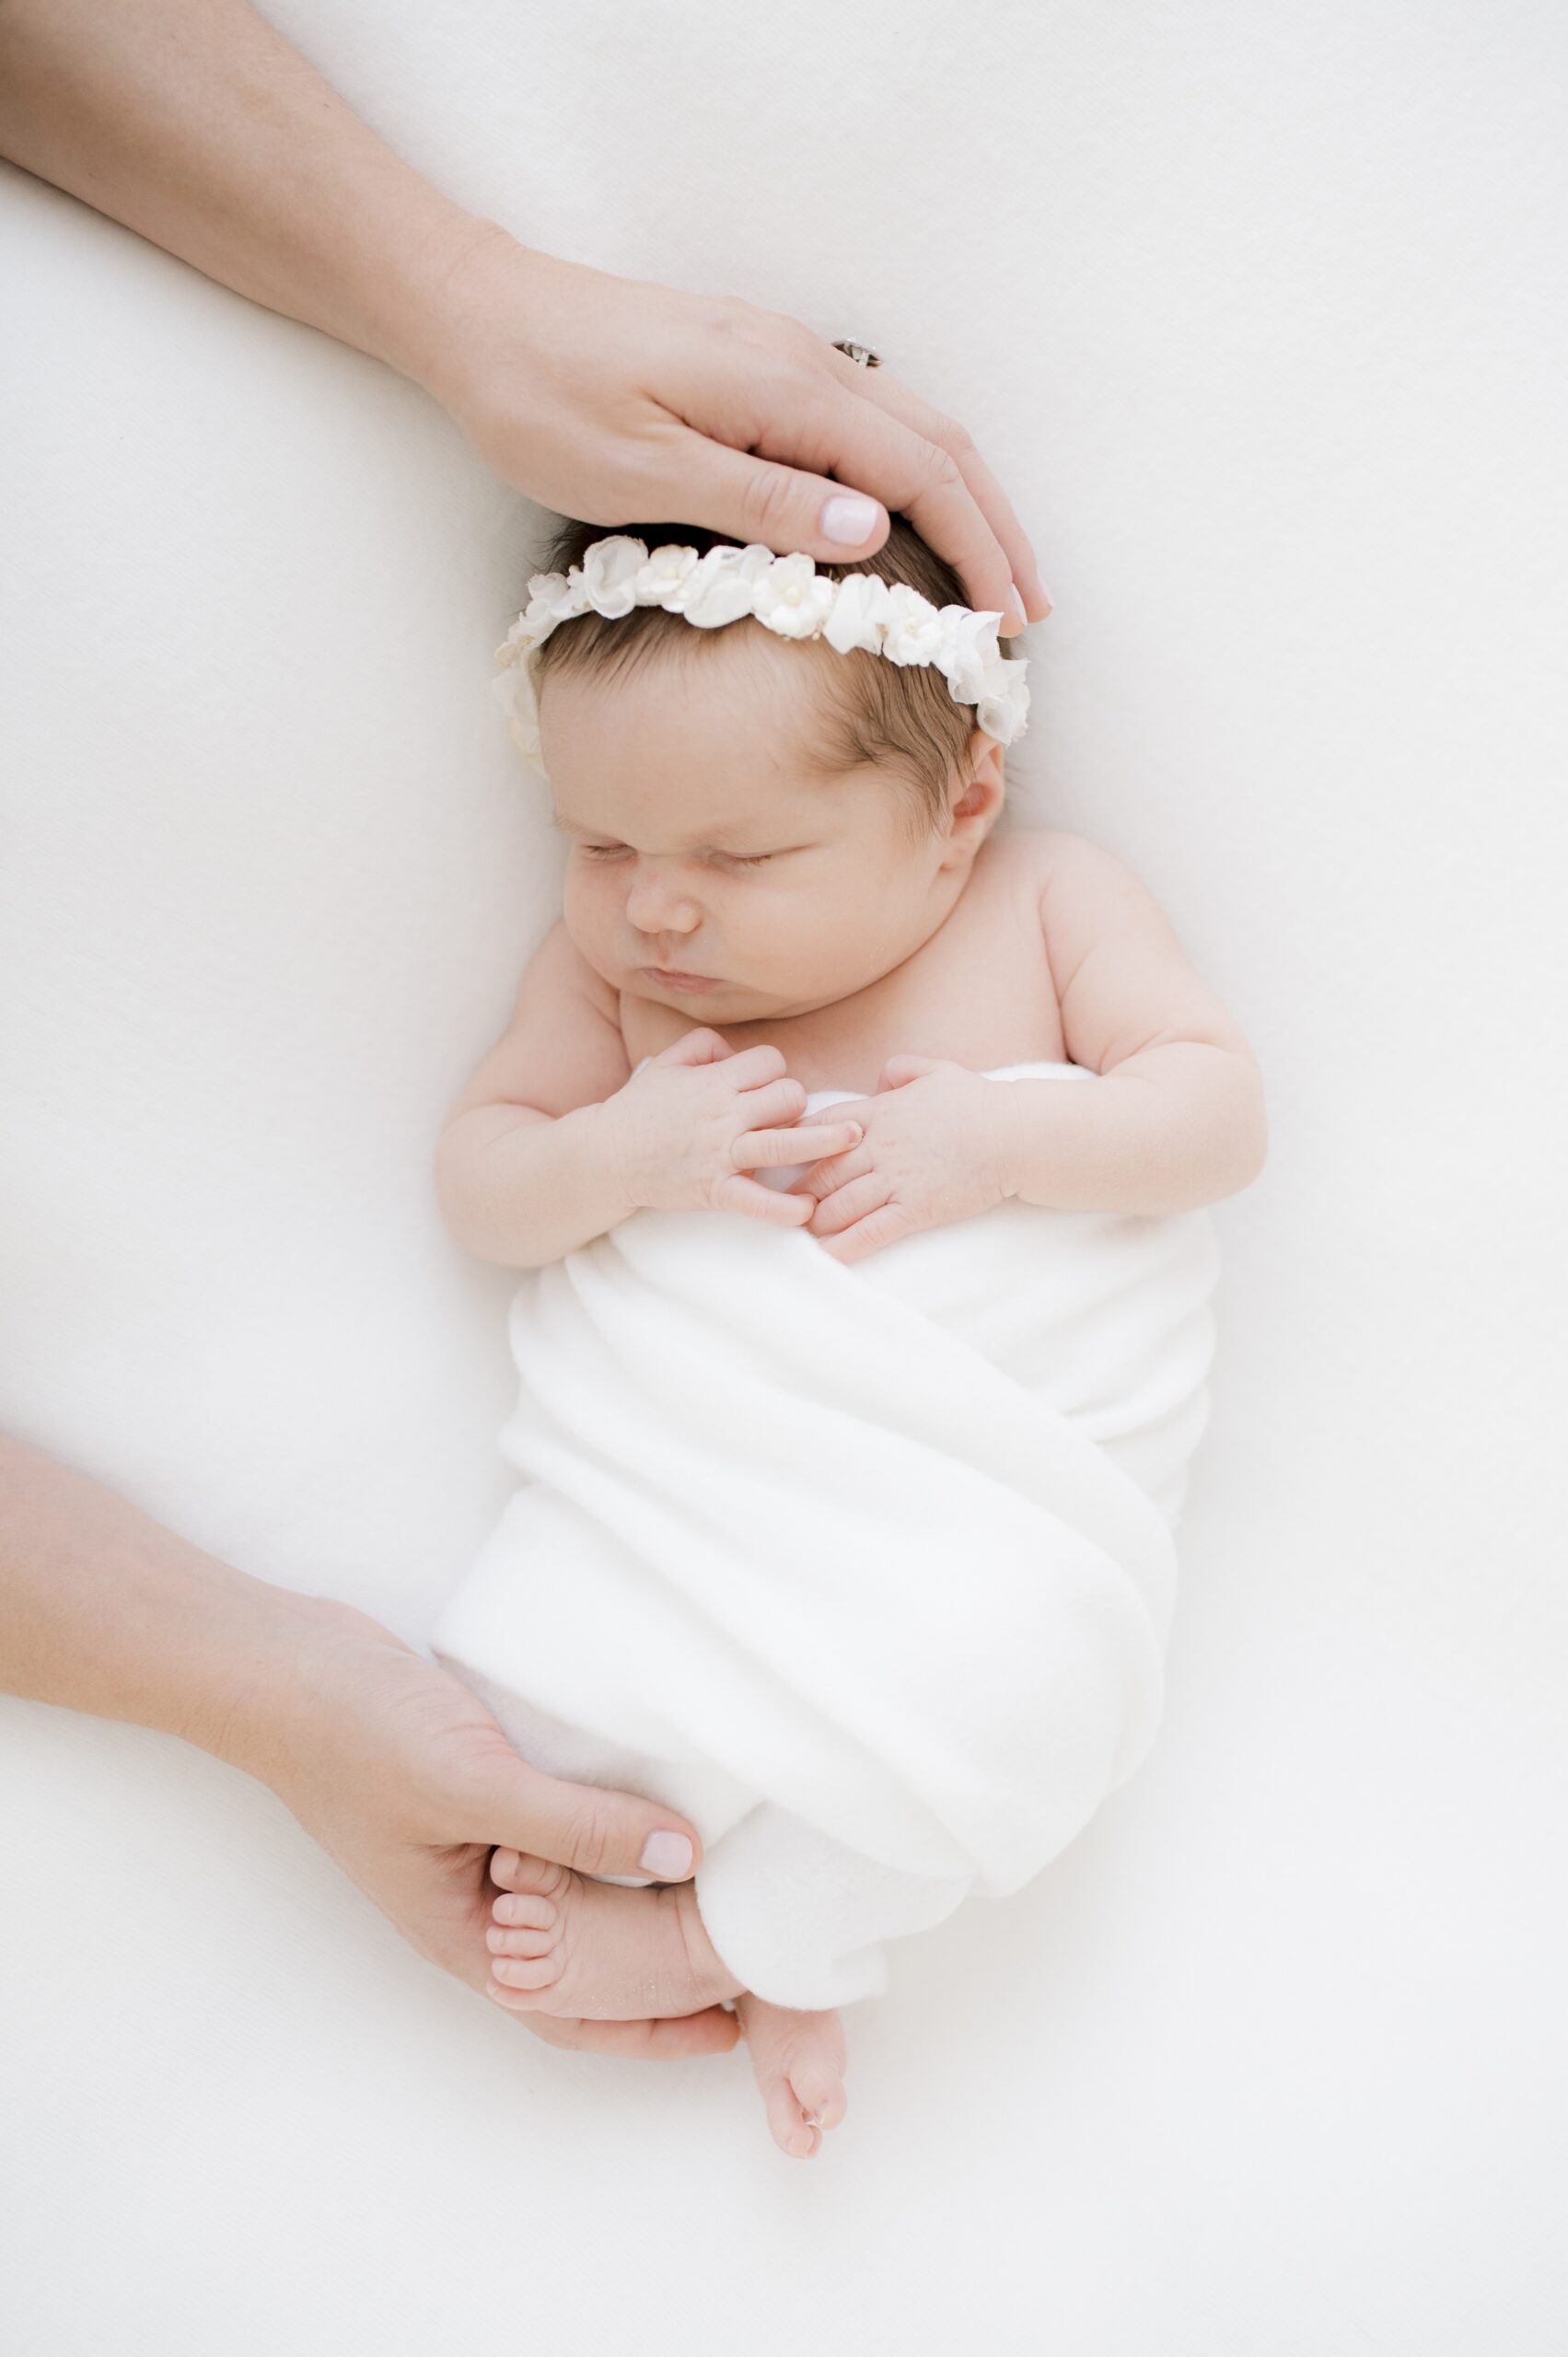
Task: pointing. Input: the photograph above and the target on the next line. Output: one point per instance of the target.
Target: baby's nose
(655, 906)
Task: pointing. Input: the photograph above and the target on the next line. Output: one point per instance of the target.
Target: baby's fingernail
(848, 520)
(667, 1856)
(1016, 613)
(855, 1130)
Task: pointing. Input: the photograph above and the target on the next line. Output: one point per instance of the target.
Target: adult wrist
(249, 1642)
(441, 309)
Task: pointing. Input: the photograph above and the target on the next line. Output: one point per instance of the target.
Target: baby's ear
(979, 805)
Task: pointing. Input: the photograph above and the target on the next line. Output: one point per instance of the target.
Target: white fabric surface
(1255, 313)
(868, 1570)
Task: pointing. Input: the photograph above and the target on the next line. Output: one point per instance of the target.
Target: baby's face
(713, 868)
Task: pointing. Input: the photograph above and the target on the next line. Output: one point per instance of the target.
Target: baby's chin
(727, 1001)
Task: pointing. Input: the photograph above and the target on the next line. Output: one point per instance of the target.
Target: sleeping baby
(856, 1149)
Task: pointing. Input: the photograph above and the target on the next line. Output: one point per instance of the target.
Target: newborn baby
(796, 965)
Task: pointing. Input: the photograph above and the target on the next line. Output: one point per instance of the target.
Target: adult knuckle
(955, 438)
(940, 468)
(587, 1838)
(770, 500)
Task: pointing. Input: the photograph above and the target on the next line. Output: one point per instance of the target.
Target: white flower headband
(785, 594)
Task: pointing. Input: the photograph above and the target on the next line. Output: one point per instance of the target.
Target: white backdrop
(1252, 312)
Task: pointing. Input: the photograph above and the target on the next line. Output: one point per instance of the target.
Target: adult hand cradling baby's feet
(564, 1945)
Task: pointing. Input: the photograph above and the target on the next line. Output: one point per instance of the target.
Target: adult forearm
(195, 123)
(1172, 1129)
(520, 1187)
(103, 1611)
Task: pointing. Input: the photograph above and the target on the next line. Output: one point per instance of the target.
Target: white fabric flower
(784, 593)
(789, 599)
(513, 690)
(609, 575)
(970, 647)
(718, 588)
(659, 581)
(552, 598)
(1004, 708)
(860, 613)
(913, 633)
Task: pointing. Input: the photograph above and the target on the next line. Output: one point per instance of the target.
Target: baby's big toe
(791, 2133)
(819, 2092)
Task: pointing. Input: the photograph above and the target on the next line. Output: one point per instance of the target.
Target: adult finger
(787, 507)
(513, 1808)
(886, 391)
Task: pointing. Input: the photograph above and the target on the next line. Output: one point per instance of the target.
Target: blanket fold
(867, 1569)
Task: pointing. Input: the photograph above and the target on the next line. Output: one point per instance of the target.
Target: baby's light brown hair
(868, 710)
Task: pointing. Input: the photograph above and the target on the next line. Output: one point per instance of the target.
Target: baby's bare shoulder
(563, 1047)
(1030, 857)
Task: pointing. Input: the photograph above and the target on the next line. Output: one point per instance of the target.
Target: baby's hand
(931, 1153)
(686, 1128)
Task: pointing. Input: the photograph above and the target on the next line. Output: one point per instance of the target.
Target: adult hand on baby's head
(405, 1780)
(610, 399)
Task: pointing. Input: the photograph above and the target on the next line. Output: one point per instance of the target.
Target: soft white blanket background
(1251, 311)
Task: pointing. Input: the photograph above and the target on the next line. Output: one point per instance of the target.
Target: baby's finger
(754, 1067)
(847, 1203)
(775, 1204)
(766, 1149)
(776, 1102)
(836, 1170)
(885, 1226)
(700, 1047)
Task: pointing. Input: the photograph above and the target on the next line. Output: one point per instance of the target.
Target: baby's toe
(791, 2133)
(532, 1940)
(819, 2092)
(513, 1911)
(526, 1971)
(515, 1870)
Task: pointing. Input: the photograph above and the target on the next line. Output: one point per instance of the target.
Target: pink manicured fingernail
(667, 1856)
(850, 520)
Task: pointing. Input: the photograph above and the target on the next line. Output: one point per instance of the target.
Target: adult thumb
(598, 1831)
(786, 509)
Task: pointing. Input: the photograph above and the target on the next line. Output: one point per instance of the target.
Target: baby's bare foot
(799, 2061)
(561, 1943)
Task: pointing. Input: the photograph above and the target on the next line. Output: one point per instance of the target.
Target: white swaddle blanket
(867, 1569)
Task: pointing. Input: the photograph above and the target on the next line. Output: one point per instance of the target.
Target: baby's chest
(978, 993)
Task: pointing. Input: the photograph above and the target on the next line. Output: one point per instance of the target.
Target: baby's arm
(554, 1140)
(1178, 1119)
(518, 1171)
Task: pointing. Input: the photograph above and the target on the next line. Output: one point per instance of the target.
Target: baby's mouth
(674, 980)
